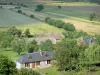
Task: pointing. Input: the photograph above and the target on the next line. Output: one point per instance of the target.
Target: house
(88, 40)
(85, 41)
(39, 40)
(52, 36)
(35, 60)
(56, 35)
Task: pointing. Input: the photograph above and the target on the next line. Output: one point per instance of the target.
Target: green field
(54, 71)
(10, 18)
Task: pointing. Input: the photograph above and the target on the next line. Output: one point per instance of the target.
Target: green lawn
(53, 71)
(50, 71)
(40, 28)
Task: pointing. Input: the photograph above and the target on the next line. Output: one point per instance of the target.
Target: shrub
(69, 27)
(59, 24)
(31, 16)
(17, 7)
(11, 3)
(59, 6)
(25, 71)
(47, 19)
(92, 16)
(24, 14)
(19, 11)
(39, 7)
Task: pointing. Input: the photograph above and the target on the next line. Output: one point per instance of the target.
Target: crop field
(76, 11)
(10, 18)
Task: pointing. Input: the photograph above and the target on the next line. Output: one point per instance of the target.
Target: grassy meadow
(54, 71)
(10, 18)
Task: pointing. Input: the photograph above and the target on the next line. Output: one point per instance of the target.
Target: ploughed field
(11, 18)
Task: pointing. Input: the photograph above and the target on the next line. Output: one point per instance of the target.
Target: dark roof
(88, 40)
(36, 56)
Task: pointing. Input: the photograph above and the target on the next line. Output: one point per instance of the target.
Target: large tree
(69, 52)
(46, 46)
(7, 67)
(19, 45)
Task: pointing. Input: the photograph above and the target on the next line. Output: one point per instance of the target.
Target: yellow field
(71, 4)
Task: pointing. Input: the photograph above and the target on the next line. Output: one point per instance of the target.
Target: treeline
(60, 24)
(91, 1)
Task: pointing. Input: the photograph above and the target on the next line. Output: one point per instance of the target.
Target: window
(37, 63)
(48, 61)
(27, 65)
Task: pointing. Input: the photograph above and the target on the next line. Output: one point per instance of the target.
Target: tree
(46, 46)
(92, 16)
(59, 6)
(19, 45)
(25, 71)
(31, 16)
(32, 46)
(39, 7)
(5, 40)
(27, 32)
(92, 54)
(59, 23)
(69, 27)
(69, 52)
(19, 11)
(7, 67)
(14, 31)
(98, 39)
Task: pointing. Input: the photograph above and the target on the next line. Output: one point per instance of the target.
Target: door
(33, 65)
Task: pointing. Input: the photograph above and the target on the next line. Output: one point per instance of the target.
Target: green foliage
(32, 46)
(59, 6)
(31, 16)
(19, 45)
(7, 67)
(27, 33)
(59, 23)
(25, 71)
(69, 27)
(92, 16)
(39, 7)
(75, 34)
(97, 39)
(46, 46)
(19, 11)
(69, 52)
(92, 54)
(5, 40)
(14, 31)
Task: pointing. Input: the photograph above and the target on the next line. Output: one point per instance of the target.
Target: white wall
(43, 63)
(18, 65)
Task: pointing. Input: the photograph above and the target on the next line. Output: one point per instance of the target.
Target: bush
(47, 19)
(19, 11)
(92, 16)
(59, 6)
(31, 16)
(11, 3)
(17, 7)
(25, 71)
(39, 7)
(59, 23)
(69, 27)
(24, 14)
